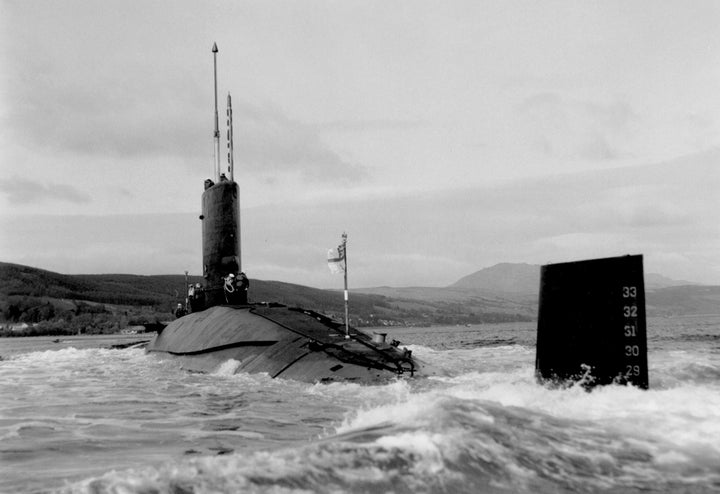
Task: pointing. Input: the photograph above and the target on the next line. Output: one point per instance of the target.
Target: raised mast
(231, 173)
(217, 127)
(231, 164)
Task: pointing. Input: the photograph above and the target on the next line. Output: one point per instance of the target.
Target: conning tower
(221, 221)
(220, 237)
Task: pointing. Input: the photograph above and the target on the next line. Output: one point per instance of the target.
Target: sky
(443, 137)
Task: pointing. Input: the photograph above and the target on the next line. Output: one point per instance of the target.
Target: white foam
(227, 368)
(672, 424)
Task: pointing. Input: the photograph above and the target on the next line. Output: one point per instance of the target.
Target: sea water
(99, 420)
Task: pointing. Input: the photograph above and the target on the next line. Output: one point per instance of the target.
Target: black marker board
(592, 316)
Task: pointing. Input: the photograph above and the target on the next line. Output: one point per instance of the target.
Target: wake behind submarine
(282, 341)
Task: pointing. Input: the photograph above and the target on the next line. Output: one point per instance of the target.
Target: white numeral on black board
(632, 370)
(630, 331)
(629, 292)
(630, 311)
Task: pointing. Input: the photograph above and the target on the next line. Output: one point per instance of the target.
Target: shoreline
(26, 344)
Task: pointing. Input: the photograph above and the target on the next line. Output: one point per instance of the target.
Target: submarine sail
(220, 241)
(288, 342)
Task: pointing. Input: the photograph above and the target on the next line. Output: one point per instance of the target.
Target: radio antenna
(217, 131)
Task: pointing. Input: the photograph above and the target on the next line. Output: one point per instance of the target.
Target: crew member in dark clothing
(196, 298)
(243, 284)
(179, 311)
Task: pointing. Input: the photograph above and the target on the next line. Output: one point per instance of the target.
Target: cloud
(428, 239)
(561, 127)
(126, 193)
(137, 118)
(23, 191)
(123, 114)
(369, 125)
(140, 244)
(268, 141)
(141, 109)
(80, 96)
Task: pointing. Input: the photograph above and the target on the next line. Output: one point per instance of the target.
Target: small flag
(335, 259)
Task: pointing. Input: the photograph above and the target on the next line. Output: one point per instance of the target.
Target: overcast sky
(443, 136)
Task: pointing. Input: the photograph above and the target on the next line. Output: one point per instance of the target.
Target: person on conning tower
(243, 284)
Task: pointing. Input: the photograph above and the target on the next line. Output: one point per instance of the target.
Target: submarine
(221, 325)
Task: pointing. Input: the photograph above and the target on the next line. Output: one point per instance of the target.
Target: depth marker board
(592, 317)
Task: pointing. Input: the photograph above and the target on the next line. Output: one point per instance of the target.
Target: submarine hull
(281, 341)
(289, 343)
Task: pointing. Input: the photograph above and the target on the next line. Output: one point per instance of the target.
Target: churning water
(98, 420)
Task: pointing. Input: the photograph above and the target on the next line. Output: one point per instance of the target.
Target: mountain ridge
(108, 301)
(30, 294)
(525, 278)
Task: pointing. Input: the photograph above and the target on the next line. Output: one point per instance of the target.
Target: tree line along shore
(38, 302)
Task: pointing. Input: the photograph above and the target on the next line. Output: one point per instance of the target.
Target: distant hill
(120, 289)
(525, 278)
(654, 281)
(503, 278)
(162, 292)
(32, 295)
(504, 292)
(683, 300)
(514, 287)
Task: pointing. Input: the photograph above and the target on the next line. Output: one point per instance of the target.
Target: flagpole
(347, 317)
(187, 296)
